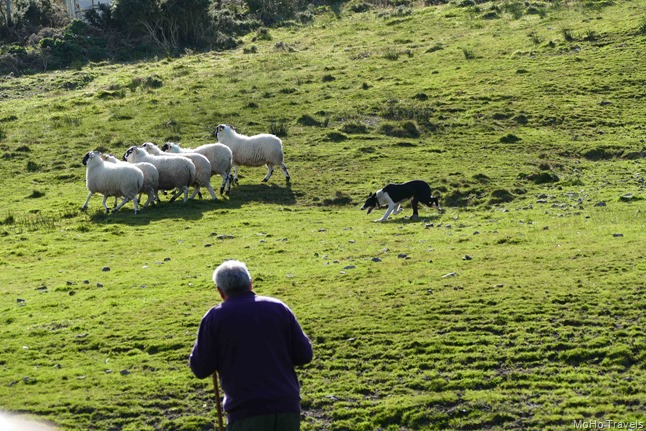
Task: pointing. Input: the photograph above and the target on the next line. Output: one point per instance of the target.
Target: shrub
(279, 128)
(227, 22)
(101, 17)
(515, 9)
(500, 196)
(404, 129)
(271, 12)
(308, 120)
(536, 39)
(418, 112)
(391, 54)
(354, 127)
(509, 139)
(36, 194)
(263, 34)
(359, 7)
(187, 19)
(591, 35)
(642, 28)
(336, 137)
(602, 153)
(133, 16)
(567, 34)
(32, 166)
(541, 178)
(468, 53)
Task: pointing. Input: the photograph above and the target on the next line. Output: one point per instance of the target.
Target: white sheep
(256, 150)
(151, 178)
(219, 156)
(202, 168)
(174, 172)
(14, 422)
(111, 179)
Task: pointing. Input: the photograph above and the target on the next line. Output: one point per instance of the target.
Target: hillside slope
(519, 307)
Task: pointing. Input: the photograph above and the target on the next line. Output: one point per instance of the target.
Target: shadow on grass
(261, 193)
(194, 209)
(423, 218)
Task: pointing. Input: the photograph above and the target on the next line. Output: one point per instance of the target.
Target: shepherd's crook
(218, 403)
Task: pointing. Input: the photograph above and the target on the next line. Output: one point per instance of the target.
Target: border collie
(393, 195)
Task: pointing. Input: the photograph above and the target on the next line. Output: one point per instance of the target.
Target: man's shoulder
(261, 298)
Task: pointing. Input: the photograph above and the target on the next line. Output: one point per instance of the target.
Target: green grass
(519, 307)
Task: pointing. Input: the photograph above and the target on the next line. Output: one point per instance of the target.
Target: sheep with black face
(110, 179)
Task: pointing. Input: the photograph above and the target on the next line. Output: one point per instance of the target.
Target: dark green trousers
(275, 422)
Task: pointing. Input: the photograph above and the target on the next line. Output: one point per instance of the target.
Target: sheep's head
(222, 128)
(90, 155)
(171, 147)
(109, 158)
(150, 148)
(128, 152)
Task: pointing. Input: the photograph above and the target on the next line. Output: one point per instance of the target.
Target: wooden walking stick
(218, 403)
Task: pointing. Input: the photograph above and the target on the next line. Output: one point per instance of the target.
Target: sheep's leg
(210, 189)
(107, 210)
(235, 174)
(150, 200)
(84, 207)
(176, 194)
(195, 192)
(225, 182)
(270, 170)
(151, 197)
(123, 202)
(284, 168)
(185, 193)
(228, 188)
(135, 201)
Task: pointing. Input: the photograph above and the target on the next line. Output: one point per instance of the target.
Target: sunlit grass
(519, 307)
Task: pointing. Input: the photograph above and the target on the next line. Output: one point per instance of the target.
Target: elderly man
(254, 343)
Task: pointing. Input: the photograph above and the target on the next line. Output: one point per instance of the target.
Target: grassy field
(521, 306)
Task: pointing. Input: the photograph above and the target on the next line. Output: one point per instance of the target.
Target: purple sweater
(253, 342)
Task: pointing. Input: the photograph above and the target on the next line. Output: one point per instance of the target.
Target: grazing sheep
(256, 150)
(219, 156)
(174, 172)
(111, 179)
(151, 178)
(202, 168)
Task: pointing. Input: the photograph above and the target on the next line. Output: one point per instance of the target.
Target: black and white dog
(393, 195)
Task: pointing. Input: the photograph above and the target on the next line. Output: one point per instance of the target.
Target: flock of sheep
(147, 169)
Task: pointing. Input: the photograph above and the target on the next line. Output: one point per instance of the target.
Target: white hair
(232, 276)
